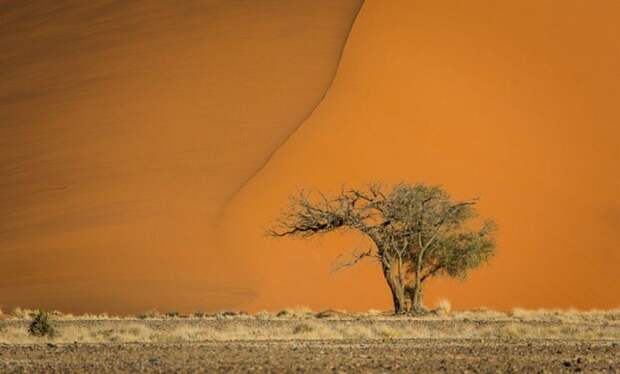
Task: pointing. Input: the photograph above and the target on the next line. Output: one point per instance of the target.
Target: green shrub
(41, 326)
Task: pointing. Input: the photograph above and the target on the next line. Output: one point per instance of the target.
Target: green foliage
(462, 251)
(41, 326)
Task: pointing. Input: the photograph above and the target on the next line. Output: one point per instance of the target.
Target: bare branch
(431, 272)
(351, 262)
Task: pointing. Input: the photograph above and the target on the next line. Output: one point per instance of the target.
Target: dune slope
(514, 102)
(124, 129)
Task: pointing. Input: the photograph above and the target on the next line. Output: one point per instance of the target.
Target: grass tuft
(443, 307)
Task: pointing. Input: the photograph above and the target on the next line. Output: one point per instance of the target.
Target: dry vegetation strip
(301, 324)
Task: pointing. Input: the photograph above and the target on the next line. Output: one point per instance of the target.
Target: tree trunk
(415, 295)
(399, 307)
(416, 301)
(397, 290)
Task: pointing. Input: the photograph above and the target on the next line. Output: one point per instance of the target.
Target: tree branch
(430, 273)
(357, 258)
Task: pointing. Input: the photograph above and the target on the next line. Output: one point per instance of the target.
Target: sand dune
(126, 126)
(125, 129)
(514, 102)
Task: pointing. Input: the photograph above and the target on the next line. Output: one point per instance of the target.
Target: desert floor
(359, 355)
(330, 342)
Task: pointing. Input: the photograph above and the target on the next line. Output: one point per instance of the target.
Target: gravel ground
(403, 355)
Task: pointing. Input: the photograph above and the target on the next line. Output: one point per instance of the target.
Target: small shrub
(199, 314)
(282, 313)
(172, 314)
(40, 325)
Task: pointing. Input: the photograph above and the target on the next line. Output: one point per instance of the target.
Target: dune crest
(124, 129)
(513, 102)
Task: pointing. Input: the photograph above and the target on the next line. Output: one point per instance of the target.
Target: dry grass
(150, 314)
(100, 333)
(298, 311)
(27, 314)
(443, 307)
(569, 316)
(301, 323)
(480, 314)
(441, 312)
(308, 329)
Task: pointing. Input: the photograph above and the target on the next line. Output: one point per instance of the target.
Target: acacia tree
(418, 232)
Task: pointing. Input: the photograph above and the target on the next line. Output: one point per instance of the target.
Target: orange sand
(125, 130)
(125, 127)
(517, 103)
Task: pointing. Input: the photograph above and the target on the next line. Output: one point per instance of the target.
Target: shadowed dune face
(126, 126)
(516, 102)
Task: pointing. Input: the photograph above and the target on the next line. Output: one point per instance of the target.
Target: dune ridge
(514, 103)
(125, 128)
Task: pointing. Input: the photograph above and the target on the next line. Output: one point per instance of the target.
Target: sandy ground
(309, 344)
